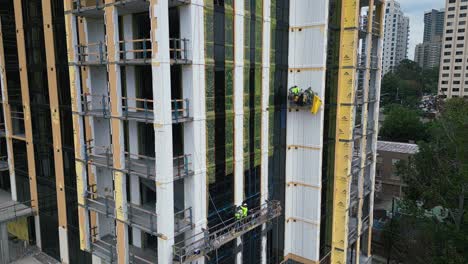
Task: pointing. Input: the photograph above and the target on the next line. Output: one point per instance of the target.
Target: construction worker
(238, 213)
(244, 209)
(294, 94)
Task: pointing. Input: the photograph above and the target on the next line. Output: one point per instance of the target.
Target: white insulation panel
(307, 65)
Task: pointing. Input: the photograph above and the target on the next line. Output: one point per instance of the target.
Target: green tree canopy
(402, 124)
(436, 176)
(407, 83)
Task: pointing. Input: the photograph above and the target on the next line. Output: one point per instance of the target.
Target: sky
(415, 9)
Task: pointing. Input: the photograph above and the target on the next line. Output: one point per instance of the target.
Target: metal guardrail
(209, 240)
(92, 53)
(136, 164)
(180, 109)
(140, 109)
(178, 49)
(140, 52)
(12, 210)
(96, 104)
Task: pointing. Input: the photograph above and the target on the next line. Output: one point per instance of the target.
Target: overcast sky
(415, 9)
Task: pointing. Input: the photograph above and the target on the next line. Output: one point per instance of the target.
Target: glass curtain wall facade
(279, 42)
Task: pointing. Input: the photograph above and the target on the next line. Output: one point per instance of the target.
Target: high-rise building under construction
(189, 131)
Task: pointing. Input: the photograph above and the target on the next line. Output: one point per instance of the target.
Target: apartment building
(161, 118)
(453, 78)
(427, 54)
(396, 36)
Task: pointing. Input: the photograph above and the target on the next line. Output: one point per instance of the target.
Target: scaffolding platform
(212, 239)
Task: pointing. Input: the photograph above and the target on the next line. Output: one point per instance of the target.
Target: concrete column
(193, 82)
(4, 251)
(265, 113)
(159, 14)
(239, 109)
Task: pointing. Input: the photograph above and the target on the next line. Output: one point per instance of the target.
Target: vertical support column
(239, 108)
(379, 16)
(265, 113)
(193, 84)
(306, 69)
(363, 154)
(118, 158)
(161, 71)
(133, 147)
(344, 128)
(56, 129)
(27, 115)
(78, 131)
(7, 118)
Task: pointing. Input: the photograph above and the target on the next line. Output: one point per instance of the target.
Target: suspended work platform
(212, 239)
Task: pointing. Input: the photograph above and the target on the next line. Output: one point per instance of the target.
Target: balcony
(95, 8)
(140, 216)
(92, 54)
(105, 248)
(361, 62)
(137, 109)
(131, 52)
(88, 8)
(3, 163)
(136, 164)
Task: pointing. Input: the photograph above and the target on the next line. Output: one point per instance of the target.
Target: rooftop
(398, 147)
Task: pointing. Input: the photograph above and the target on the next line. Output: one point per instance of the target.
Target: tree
(402, 124)
(436, 176)
(407, 84)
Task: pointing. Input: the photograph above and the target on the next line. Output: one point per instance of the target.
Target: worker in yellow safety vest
(241, 212)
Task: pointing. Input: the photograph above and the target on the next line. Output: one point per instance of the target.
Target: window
(449, 24)
(394, 171)
(447, 53)
(459, 53)
(449, 31)
(446, 60)
(451, 16)
(459, 45)
(456, 82)
(457, 75)
(444, 82)
(457, 68)
(463, 7)
(445, 75)
(461, 23)
(443, 89)
(458, 60)
(451, 8)
(446, 68)
(455, 89)
(448, 46)
(448, 38)
(460, 38)
(461, 30)
(463, 15)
